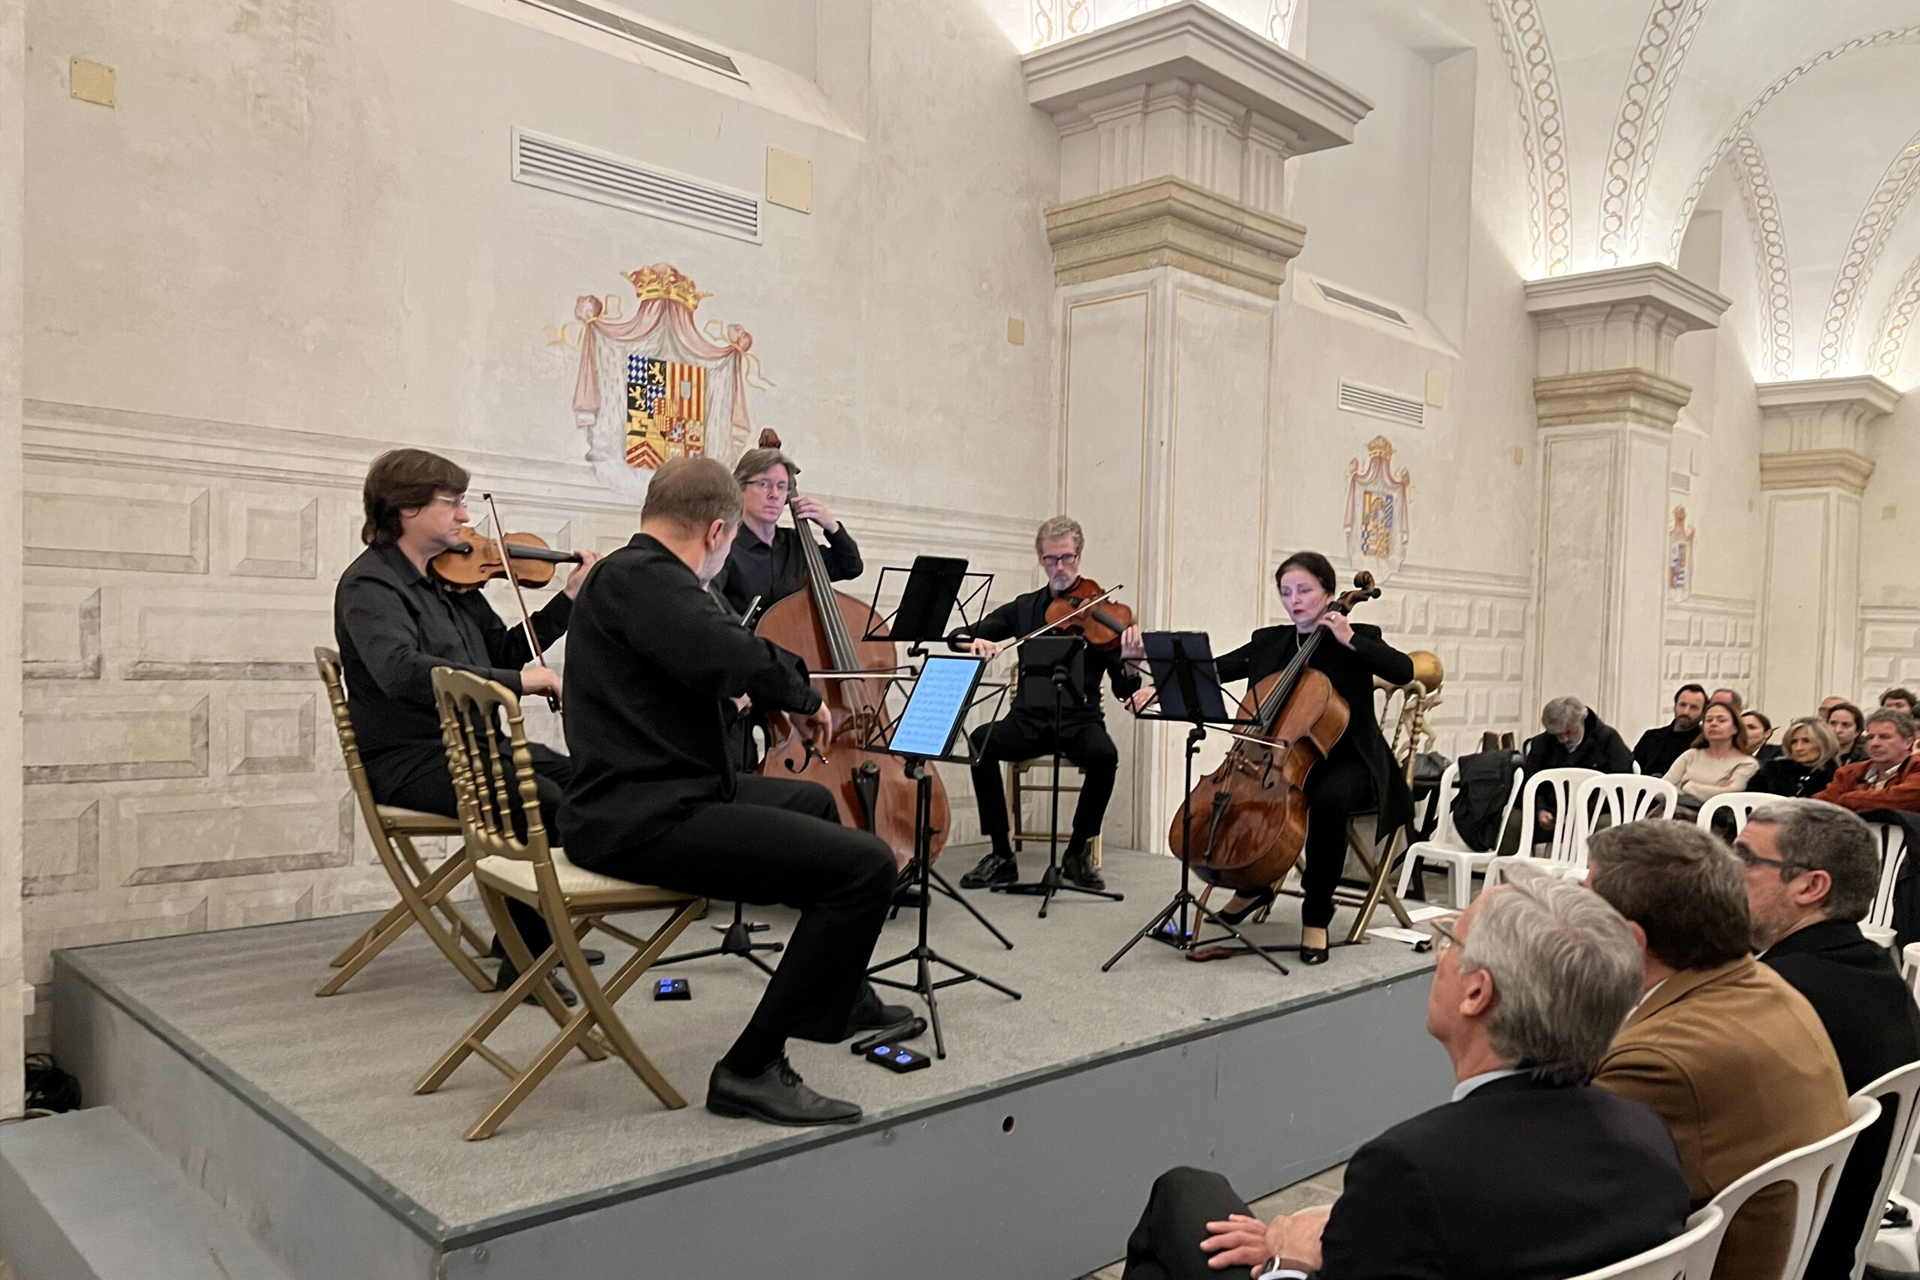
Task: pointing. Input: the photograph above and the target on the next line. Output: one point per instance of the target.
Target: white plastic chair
(1893, 855)
(1567, 848)
(1688, 1256)
(1629, 797)
(1448, 848)
(1901, 1085)
(1814, 1171)
(1740, 804)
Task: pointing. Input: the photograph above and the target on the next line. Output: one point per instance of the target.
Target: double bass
(819, 625)
(1250, 814)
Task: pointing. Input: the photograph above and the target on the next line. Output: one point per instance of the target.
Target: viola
(476, 561)
(1249, 816)
(1085, 611)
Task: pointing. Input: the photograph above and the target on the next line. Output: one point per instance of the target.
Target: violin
(1084, 610)
(476, 561)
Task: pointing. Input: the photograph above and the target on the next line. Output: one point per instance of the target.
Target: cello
(819, 625)
(1250, 814)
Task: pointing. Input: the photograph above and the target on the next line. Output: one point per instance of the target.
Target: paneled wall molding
(1889, 648)
(1170, 222)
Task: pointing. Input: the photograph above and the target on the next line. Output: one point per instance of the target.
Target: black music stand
(1189, 692)
(927, 730)
(1053, 672)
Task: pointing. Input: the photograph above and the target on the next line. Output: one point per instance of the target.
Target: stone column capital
(1814, 432)
(1169, 222)
(1612, 396)
(1619, 319)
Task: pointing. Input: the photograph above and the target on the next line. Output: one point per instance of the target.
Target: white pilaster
(12, 323)
(1815, 461)
(1607, 401)
(1169, 253)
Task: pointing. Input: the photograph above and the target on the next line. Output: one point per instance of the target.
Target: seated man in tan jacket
(1734, 1060)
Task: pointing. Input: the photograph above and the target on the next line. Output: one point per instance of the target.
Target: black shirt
(1028, 613)
(1599, 749)
(394, 625)
(1659, 747)
(651, 664)
(1783, 776)
(775, 570)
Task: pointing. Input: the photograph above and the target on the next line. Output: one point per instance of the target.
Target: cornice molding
(1170, 222)
(1610, 396)
(1645, 284)
(1864, 391)
(1843, 469)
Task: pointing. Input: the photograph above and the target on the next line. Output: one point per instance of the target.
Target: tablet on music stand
(931, 719)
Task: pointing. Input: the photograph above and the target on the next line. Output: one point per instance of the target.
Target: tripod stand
(1062, 662)
(1175, 658)
(737, 940)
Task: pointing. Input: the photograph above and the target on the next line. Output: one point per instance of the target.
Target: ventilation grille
(1377, 403)
(574, 170)
(1680, 481)
(1378, 310)
(626, 28)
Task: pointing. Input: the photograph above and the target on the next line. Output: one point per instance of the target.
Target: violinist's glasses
(451, 499)
(765, 485)
(1061, 562)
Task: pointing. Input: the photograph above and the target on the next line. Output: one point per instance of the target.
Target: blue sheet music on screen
(939, 699)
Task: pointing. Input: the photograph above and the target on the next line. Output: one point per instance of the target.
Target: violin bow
(1094, 603)
(526, 617)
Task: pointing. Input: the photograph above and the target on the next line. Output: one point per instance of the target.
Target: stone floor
(1321, 1188)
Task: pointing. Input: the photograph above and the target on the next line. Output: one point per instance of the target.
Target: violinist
(656, 797)
(1027, 731)
(1359, 771)
(765, 561)
(394, 622)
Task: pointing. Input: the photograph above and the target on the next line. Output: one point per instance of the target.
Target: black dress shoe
(995, 868)
(1312, 955)
(1234, 915)
(1077, 868)
(508, 975)
(777, 1095)
(870, 1014)
(594, 955)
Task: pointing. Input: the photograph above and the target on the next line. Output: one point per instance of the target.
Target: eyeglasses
(1752, 859)
(765, 485)
(1060, 562)
(1443, 936)
(451, 499)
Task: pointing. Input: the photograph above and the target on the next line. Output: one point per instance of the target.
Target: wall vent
(571, 169)
(1680, 481)
(625, 28)
(1354, 302)
(1378, 403)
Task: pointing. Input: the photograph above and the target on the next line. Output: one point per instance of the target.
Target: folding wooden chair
(573, 901)
(422, 892)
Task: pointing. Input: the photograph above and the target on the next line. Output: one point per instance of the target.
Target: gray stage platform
(1027, 1153)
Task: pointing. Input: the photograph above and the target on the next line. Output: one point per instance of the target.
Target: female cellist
(1359, 770)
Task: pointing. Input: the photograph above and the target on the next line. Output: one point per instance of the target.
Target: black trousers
(1338, 788)
(430, 790)
(1166, 1244)
(780, 841)
(1023, 736)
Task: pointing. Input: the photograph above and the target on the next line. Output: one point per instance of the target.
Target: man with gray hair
(1812, 872)
(1527, 1172)
(1575, 738)
(1889, 778)
(1734, 1060)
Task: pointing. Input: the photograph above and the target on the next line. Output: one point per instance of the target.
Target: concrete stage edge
(1040, 1176)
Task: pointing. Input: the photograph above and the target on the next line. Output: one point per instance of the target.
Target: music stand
(1053, 672)
(926, 730)
(1189, 692)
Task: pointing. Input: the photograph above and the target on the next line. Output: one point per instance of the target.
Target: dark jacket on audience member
(1601, 749)
(1784, 776)
(1659, 747)
(1519, 1179)
(1874, 1024)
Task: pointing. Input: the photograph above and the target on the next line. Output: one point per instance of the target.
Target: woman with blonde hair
(1806, 762)
(1719, 760)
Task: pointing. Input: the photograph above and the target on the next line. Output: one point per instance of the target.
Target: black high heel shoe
(1314, 955)
(1234, 916)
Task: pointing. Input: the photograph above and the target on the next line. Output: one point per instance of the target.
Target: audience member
(1898, 699)
(1804, 767)
(1733, 1058)
(1846, 720)
(1889, 778)
(1812, 873)
(1575, 738)
(1828, 703)
(1659, 747)
(1759, 736)
(1528, 1172)
(1728, 698)
(1716, 762)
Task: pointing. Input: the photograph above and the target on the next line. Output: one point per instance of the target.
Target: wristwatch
(1280, 1268)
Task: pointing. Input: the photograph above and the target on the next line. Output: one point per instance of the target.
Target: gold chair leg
(523, 961)
(596, 1010)
(458, 921)
(1379, 888)
(415, 907)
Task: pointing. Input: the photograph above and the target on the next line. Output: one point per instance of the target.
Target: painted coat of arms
(655, 385)
(1679, 557)
(1377, 520)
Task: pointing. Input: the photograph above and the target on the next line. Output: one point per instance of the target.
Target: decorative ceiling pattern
(1523, 37)
(1636, 132)
(1776, 293)
(1870, 232)
(1895, 322)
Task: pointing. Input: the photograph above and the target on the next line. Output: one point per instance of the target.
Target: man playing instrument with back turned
(1028, 730)
(1359, 773)
(394, 623)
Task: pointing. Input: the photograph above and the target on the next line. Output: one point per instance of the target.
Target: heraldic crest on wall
(1377, 521)
(655, 385)
(1679, 557)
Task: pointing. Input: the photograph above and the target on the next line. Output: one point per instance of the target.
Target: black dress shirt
(650, 665)
(1028, 613)
(394, 625)
(1659, 747)
(1784, 776)
(775, 570)
(1871, 1018)
(1351, 672)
